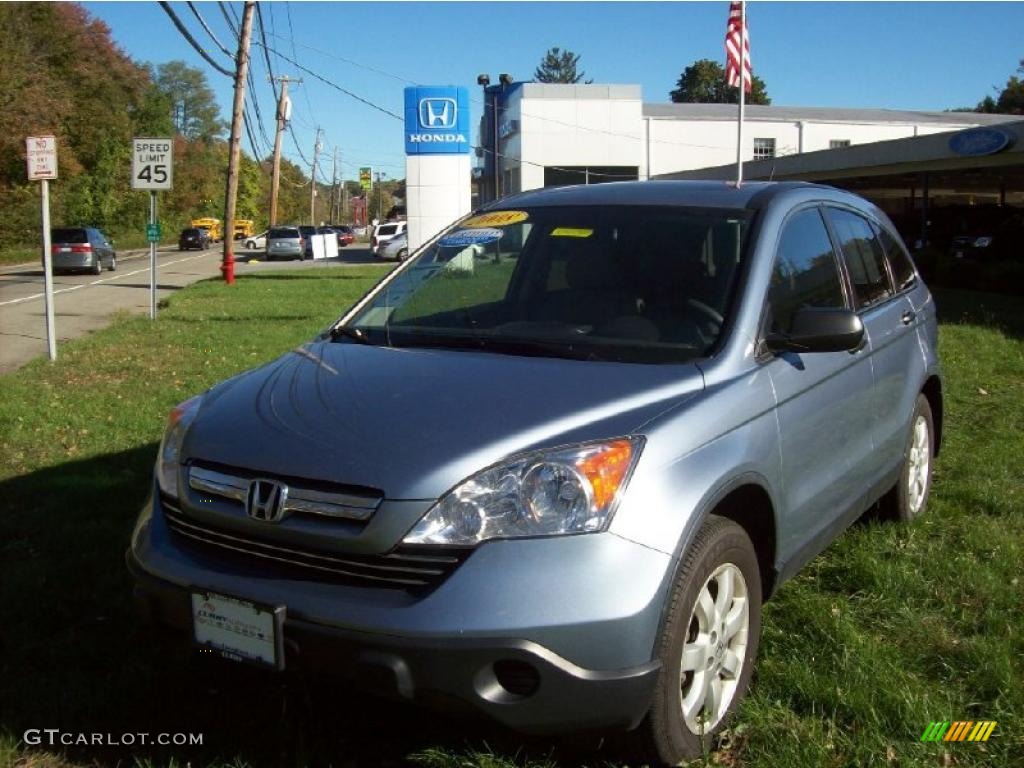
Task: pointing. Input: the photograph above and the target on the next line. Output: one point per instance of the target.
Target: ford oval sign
(980, 141)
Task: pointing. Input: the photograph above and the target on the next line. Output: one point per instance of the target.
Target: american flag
(733, 36)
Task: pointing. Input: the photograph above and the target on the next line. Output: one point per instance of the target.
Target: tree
(703, 82)
(194, 108)
(559, 66)
(1010, 100)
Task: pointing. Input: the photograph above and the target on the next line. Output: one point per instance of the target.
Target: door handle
(908, 317)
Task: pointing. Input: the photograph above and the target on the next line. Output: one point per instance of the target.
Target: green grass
(889, 629)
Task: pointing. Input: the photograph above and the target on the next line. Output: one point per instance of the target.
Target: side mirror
(818, 329)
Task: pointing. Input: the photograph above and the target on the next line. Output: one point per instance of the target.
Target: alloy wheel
(919, 461)
(715, 649)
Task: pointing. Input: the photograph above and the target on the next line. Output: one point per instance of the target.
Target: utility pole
(283, 115)
(334, 188)
(317, 146)
(235, 147)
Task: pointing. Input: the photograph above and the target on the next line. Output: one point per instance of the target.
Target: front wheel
(910, 496)
(708, 645)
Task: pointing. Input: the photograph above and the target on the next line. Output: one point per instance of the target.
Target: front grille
(410, 568)
(302, 496)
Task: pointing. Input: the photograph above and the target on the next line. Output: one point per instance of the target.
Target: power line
(367, 67)
(195, 12)
(291, 32)
(192, 41)
(337, 87)
(224, 12)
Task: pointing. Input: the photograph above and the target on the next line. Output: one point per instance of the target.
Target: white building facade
(550, 135)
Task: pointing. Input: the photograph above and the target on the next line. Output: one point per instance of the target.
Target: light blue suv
(551, 466)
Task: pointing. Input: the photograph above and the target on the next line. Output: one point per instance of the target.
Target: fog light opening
(517, 677)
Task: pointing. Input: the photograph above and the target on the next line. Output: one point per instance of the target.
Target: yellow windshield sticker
(571, 232)
(496, 219)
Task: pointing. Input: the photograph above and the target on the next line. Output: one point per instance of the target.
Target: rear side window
(388, 229)
(806, 273)
(283, 233)
(900, 263)
(864, 257)
(69, 235)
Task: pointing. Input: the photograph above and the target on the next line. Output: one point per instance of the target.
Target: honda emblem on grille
(266, 499)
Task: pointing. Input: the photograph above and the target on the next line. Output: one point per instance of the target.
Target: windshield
(636, 284)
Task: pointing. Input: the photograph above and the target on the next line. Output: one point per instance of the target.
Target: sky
(909, 55)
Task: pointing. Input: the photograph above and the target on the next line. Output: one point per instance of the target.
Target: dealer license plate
(237, 629)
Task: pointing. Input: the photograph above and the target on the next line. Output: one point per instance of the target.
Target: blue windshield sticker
(465, 237)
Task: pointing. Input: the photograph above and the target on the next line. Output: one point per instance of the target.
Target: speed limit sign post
(152, 170)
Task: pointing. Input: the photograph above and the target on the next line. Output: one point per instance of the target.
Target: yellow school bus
(210, 224)
(244, 228)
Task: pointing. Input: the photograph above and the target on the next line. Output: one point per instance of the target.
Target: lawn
(892, 628)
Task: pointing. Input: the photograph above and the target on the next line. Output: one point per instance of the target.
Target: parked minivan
(76, 249)
(553, 463)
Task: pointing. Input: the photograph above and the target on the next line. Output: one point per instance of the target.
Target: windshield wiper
(503, 345)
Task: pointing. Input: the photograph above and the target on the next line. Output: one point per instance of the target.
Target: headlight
(565, 490)
(982, 242)
(170, 447)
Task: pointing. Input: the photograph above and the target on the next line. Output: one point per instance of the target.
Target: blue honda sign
(437, 120)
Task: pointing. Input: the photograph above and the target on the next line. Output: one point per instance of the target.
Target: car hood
(414, 422)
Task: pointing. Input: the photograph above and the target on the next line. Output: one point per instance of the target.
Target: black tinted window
(900, 263)
(69, 235)
(864, 257)
(283, 232)
(806, 273)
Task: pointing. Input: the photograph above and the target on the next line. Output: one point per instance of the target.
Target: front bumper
(518, 683)
(572, 619)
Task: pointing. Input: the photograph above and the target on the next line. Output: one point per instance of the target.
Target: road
(83, 303)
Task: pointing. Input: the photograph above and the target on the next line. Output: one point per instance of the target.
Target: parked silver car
(553, 463)
(285, 243)
(384, 232)
(397, 248)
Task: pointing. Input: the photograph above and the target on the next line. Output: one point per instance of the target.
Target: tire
(97, 268)
(677, 726)
(402, 254)
(112, 266)
(250, 245)
(908, 499)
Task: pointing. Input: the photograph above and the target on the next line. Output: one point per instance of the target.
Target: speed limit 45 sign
(152, 163)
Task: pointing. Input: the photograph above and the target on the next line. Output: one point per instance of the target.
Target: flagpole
(743, 90)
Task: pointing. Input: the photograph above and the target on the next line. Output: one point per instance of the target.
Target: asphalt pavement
(83, 303)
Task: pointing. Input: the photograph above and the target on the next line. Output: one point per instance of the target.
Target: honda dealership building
(550, 135)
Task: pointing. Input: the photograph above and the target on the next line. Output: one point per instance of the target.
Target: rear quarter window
(864, 257)
(903, 273)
